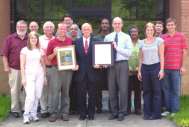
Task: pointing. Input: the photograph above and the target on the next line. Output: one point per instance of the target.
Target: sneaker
(26, 121)
(35, 119)
(166, 113)
(172, 114)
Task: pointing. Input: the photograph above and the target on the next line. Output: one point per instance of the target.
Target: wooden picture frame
(66, 57)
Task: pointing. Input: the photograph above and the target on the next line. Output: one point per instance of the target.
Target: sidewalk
(100, 121)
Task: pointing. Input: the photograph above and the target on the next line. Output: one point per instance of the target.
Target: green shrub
(182, 117)
(5, 106)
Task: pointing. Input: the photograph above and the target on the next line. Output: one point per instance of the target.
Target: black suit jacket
(86, 69)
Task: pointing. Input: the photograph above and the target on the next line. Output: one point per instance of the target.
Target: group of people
(153, 64)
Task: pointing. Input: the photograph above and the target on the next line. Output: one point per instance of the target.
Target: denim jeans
(172, 82)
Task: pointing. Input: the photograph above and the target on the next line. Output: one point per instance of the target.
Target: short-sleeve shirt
(33, 57)
(57, 43)
(150, 51)
(11, 49)
(44, 41)
(174, 46)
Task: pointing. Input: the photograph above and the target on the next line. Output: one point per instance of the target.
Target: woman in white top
(32, 73)
(151, 66)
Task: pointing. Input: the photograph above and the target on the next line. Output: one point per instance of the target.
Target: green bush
(182, 117)
(5, 106)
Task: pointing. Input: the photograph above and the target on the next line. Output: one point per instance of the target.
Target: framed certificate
(103, 53)
(66, 57)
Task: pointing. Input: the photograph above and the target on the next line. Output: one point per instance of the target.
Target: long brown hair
(29, 36)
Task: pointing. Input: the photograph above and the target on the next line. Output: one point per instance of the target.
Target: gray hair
(21, 22)
(48, 23)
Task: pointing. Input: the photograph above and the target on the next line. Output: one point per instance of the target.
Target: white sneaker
(166, 113)
(173, 114)
(26, 121)
(35, 119)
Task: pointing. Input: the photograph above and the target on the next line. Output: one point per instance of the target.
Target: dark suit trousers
(73, 96)
(118, 87)
(134, 85)
(101, 85)
(86, 106)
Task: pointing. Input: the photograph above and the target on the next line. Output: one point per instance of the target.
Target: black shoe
(120, 117)
(91, 117)
(52, 118)
(155, 117)
(45, 115)
(82, 117)
(65, 117)
(147, 117)
(15, 114)
(112, 117)
(99, 111)
(138, 112)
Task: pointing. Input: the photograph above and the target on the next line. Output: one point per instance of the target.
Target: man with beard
(11, 61)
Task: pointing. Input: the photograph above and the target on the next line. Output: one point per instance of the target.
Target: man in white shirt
(118, 73)
(45, 103)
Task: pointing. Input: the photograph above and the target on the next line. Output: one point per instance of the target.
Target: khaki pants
(17, 94)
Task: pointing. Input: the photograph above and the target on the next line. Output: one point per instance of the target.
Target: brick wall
(4, 31)
(179, 9)
(184, 15)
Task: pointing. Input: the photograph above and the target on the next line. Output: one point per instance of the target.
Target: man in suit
(86, 76)
(118, 73)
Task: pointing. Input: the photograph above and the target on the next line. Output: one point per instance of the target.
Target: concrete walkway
(100, 121)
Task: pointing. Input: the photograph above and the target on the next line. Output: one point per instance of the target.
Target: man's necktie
(86, 46)
(116, 40)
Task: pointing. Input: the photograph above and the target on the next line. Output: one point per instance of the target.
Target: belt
(120, 61)
(49, 66)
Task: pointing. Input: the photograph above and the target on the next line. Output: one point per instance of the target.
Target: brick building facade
(177, 9)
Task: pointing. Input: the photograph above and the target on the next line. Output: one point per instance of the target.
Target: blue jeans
(172, 82)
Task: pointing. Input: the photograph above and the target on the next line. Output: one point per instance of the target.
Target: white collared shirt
(44, 41)
(124, 45)
(88, 40)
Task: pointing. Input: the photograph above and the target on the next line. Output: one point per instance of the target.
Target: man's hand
(96, 66)
(55, 51)
(7, 69)
(182, 70)
(24, 82)
(114, 45)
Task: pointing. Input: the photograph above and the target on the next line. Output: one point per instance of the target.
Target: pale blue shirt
(150, 51)
(124, 45)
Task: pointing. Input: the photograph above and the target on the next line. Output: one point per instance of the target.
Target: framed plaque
(103, 53)
(66, 57)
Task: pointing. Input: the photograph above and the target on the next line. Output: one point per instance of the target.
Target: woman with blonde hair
(151, 71)
(32, 73)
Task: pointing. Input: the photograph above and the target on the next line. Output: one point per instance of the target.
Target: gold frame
(66, 57)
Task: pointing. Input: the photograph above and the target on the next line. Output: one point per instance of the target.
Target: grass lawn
(182, 117)
(4, 106)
